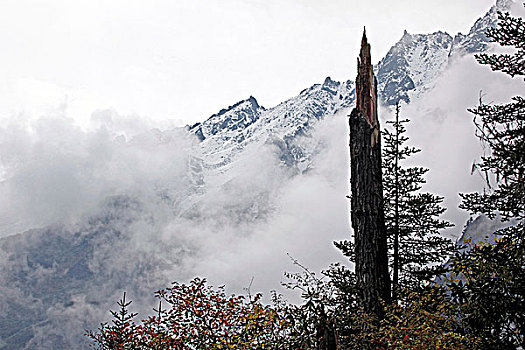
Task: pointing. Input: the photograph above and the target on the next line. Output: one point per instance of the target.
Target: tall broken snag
(366, 88)
(367, 214)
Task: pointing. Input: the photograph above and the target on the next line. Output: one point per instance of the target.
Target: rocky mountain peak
(476, 40)
(329, 82)
(254, 102)
(411, 63)
(238, 116)
(504, 5)
(406, 38)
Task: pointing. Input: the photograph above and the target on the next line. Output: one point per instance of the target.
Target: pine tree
(412, 218)
(501, 128)
(122, 334)
(490, 289)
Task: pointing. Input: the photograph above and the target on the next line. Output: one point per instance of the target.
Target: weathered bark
(367, 213)
(326, 333)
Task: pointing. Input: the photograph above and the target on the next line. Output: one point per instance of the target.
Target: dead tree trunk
(367, 214)
(326, 332)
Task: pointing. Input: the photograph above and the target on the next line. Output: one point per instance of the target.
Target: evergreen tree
(501, 128)
(121, 334)
(416, 249)
(489, 279)
(412, 218)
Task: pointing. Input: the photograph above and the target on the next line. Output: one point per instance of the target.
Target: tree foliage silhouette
(489, 278)
(416, 248)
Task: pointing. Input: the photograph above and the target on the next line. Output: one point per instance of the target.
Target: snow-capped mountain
(226, 133)
(410, 69)
(63, 278)
(236, 117)
(413, 64)
(476, 40)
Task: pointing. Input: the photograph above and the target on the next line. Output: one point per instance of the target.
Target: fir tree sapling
(416, 248)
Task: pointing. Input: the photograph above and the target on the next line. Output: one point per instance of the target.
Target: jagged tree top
(366, 84)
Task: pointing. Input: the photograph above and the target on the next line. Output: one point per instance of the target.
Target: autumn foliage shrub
(196, 316)
(423, 320)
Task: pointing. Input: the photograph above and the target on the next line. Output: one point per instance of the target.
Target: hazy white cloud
(52, 170)
(306, 213)
(242, 226)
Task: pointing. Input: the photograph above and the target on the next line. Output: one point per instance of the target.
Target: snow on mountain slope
(476, 40)
(225, 134)
(229, 139)
(413, 64)
(409, 69)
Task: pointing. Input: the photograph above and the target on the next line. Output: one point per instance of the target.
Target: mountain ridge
(411, 66)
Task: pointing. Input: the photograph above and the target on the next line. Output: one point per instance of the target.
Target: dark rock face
(238, 116)
(411, 63)
(367, 213)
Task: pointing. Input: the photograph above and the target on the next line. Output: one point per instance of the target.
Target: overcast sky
(183, 60)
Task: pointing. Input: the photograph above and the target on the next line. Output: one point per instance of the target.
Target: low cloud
(54, 171)
(137, 212)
